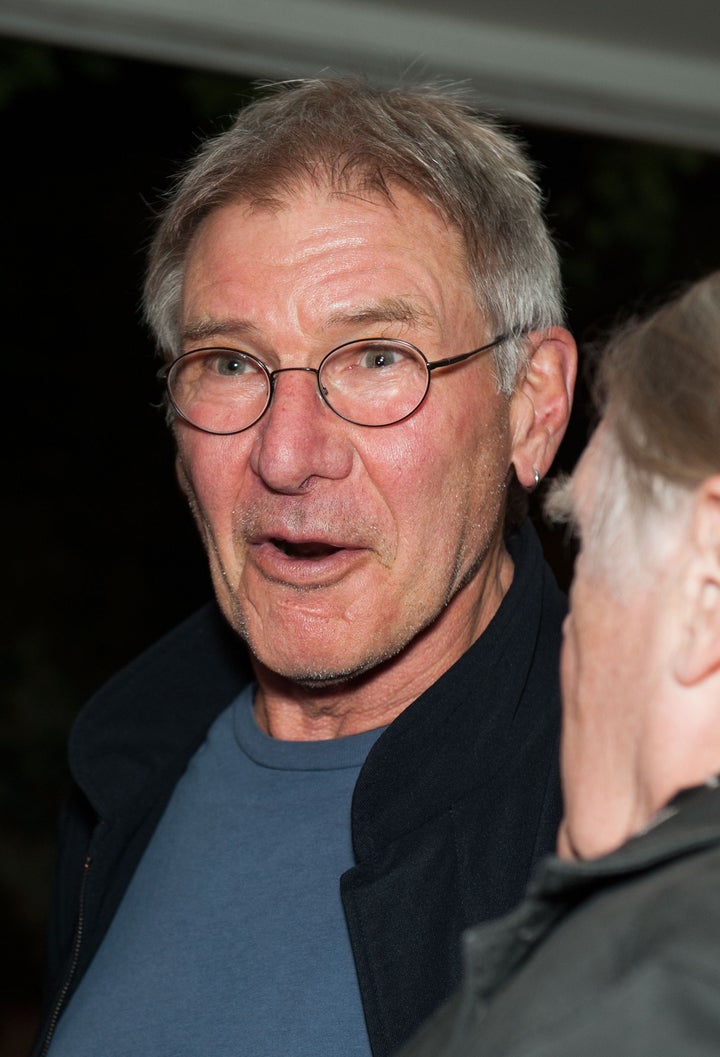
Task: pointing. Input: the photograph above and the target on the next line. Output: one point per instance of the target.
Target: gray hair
(349, 135)
(658, 390)
(658, 386)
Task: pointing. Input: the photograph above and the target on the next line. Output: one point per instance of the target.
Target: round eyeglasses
(372, 382)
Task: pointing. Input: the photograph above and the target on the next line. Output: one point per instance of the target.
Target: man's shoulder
(657, 910)
(595, 965)
(164, 700)
(653, 940)
(200, 649)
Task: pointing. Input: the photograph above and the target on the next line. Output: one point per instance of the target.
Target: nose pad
(288, 370)
(320, 389)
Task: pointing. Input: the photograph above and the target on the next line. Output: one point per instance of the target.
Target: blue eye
(229, 364)
(381, 357)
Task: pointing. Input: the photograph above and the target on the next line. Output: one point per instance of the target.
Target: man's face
(333, 545)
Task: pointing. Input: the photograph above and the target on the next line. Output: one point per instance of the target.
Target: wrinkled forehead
(389, 247)
(357, 186)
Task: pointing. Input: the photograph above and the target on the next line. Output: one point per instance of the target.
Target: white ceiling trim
(525, 74)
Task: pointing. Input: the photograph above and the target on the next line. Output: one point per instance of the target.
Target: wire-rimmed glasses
(371, 382)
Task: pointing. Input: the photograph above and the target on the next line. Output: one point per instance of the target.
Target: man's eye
(381, 357)
(229, 365)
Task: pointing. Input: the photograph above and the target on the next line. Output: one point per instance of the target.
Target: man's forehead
(400, 272)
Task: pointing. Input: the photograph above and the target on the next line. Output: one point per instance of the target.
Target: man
(357, 299)
(615, 949)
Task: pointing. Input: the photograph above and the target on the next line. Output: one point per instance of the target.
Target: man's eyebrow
(219, 328)
(386, 310)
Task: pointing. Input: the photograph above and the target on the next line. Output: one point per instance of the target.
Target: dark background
(100, 554)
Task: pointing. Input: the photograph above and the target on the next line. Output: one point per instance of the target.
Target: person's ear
(698, 654)
(181, 477)
(540, 407)
(187, 490)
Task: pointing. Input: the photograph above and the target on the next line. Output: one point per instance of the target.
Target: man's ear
(181, 477)
(540, 407)
(698, 653)
(187, 489)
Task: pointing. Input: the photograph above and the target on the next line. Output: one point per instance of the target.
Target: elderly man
(615, 950)
(285, 815)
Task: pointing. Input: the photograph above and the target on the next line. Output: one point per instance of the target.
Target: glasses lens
(219, 390)
(375, 382)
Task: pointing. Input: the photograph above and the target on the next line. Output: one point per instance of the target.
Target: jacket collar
(458, 734)
(136, 735)
(690, 822)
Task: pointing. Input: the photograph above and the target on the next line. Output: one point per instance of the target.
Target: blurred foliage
(100, 551)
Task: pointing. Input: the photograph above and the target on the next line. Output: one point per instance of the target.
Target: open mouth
(308, 550)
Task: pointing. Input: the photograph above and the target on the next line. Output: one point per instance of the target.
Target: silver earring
(536, 477)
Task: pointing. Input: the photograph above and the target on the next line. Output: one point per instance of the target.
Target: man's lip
(308, 545)
(306, 562)
(307, 550)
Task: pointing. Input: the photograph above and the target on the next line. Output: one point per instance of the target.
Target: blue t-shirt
(231, 937)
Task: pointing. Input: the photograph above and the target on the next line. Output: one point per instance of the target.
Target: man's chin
(325, 674)
(320, 677)
(323, 657)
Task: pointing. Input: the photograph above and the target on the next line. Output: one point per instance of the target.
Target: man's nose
(299, 437)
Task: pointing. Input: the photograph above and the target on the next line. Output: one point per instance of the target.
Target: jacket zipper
(77, 942)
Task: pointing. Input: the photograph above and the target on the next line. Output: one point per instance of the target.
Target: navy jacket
(457, 800)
